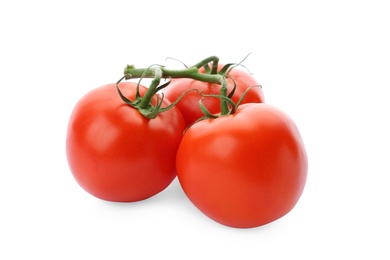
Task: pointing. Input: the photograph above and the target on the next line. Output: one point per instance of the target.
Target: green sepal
(176, 101)
(226, 69)
(234, 88)
(223, 98)
(125, 99)
(207, 68)
(163, 85)
(205, 111)
(244, 94)
(152, 112)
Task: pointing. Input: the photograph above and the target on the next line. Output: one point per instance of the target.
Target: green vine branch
(157, 72)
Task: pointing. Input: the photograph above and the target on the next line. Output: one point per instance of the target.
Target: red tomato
(189, 105)
(245, 169)
(114, 152)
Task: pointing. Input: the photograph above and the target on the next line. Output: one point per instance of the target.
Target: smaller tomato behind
(245, 169)
(189, 104)
(114, 152)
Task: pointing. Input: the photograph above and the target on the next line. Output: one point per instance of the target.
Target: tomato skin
(189, 105)
(116, 154)
(246, 169)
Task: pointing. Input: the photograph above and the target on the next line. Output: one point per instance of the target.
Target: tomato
(115, 153)
(189, 105)
(245, 169)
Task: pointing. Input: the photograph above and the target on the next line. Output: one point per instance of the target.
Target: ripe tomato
(114, 152)
(189, 105)
(245, 169)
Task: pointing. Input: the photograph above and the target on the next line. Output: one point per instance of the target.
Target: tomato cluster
(243, 168)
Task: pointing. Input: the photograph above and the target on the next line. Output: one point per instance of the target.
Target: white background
(325, 63)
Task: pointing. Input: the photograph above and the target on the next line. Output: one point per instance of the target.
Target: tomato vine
(158, 72)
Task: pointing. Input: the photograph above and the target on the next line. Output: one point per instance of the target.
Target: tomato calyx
(144, 104)
(228, 106)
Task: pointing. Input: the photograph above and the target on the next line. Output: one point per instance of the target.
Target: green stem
(157, 72)
(213, 59)
(147, 99)
(223, 92)
(192, 73)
